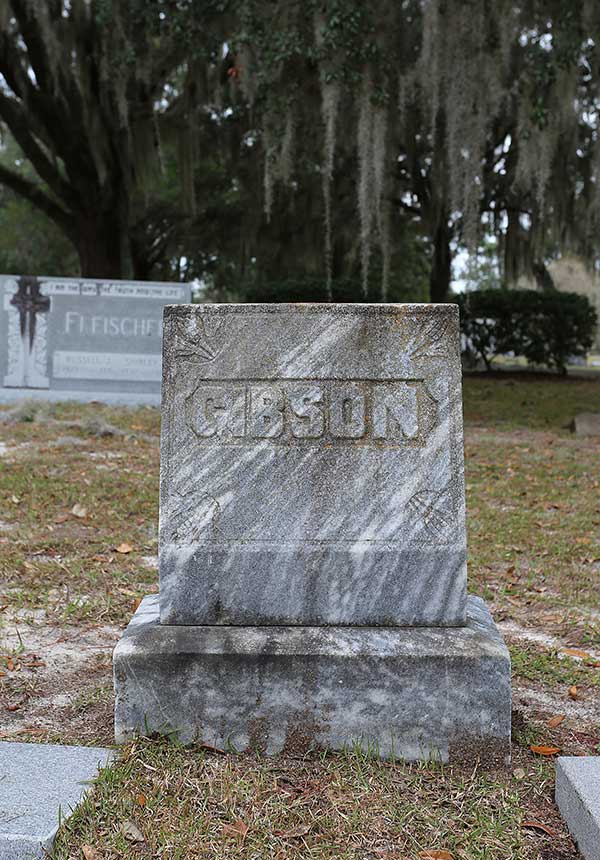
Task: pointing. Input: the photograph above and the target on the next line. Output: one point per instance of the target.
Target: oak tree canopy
(460, 117)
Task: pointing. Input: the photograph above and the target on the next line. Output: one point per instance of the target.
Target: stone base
(116, 398)
(411, 693)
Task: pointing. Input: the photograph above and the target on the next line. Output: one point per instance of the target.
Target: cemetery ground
(78, 519)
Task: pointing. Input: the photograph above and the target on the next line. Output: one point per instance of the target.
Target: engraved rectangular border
(425, 409)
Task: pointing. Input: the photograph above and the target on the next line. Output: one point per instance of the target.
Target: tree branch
(55, 102)
(16, 119)
(11, 66)
(32, 192)
(30, 31)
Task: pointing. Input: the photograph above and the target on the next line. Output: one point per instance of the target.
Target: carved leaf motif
(435, 513)
(202, 344)
(430, 340)
(16, 367)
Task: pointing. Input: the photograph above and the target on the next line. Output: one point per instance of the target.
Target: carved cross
(29, 302)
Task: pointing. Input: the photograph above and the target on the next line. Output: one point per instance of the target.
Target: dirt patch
(57, 681)
(531, 438)
(542, 703)
(537, 635)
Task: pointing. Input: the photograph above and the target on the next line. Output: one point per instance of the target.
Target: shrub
(545, 327)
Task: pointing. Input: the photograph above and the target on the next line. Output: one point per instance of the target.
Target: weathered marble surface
(408, 693)
(40, 783)
(312, 465)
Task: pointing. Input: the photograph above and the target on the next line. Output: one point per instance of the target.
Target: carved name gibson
(393, 412)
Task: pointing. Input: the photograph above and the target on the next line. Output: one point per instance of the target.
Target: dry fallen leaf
(537, 825)
(293, 832)
(124, 548)
(132, 832)
(79, 511)
(519, 773)
(24, 730)
(575, 652)
(573, 692)
(212, 749)
(544, 750)
(236, 829)
(90, 853)
(436, 854)
(141, 800)
(553, 722)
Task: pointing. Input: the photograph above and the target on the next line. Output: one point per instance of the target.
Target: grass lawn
(78, 515)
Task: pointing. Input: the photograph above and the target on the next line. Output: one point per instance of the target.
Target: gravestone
(312, 547)
(577, 796)
(587, 424)
(40, 785)
(64, 338)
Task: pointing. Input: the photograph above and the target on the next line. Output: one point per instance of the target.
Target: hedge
(546, 327)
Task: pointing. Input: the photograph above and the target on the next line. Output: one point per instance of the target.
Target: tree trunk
(441, 263)
(145, 257)
(142, 266)
(102, 247)
(542, 276)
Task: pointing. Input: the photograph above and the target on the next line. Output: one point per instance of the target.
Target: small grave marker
(41, 784)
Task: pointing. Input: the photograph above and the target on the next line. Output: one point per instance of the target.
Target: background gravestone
(83, 339)
(312, 540)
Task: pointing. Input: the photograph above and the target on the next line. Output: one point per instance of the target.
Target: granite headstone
(83, 339)
(577, 795)
(40, 786)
